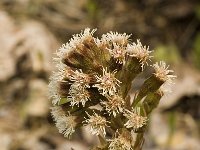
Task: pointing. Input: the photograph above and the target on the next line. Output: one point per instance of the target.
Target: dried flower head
(96, 73)
(135, 120)
(97, 124)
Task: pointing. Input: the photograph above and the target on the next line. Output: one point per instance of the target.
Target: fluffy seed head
(78, 39)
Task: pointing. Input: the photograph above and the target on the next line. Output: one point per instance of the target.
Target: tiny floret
(78, 94)
(121, 141)
(97, 124)
(54, 87)
(115, 37)
(107, 84)
(80, 78)
(118, 52)
(162, 72)
(135, 120)
(140, 52)
(114, 105)
(65, 123)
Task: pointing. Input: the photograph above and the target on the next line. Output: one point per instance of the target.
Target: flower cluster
(91, 84)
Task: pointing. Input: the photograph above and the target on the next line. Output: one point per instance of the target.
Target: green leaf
(63, 101)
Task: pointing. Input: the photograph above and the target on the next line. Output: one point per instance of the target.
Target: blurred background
(32, 30)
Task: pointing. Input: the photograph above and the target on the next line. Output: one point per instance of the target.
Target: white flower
(114, 105)
(78, 94)
(118, 52)
(162, 72)
(135, 120)
(97, 124)
(79, 77)
(54, 86)
(115, 37)
(121, 142)
(78, 39)
(107, 84)
(57, 112)
(140, 52)
(65, 124)
(63, 50)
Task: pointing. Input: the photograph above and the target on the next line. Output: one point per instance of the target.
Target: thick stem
(129, 71)
(151, 85)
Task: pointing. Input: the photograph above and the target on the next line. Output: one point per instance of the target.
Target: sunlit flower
(162, 72)
(97, 124)
(91, 84)
(107, 84)
(116, 37)
(140, 52)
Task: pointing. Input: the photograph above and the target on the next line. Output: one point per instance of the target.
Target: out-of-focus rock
(37, 104)
(5, 141)
(15, 91)
(38, 43)
(174, 135)
(30, 39)
(7, 43)
(159, 129)
(186, 84)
